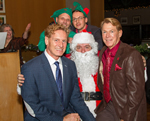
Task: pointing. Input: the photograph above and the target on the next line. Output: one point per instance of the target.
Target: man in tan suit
(120, 78)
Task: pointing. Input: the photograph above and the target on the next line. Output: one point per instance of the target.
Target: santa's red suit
(87, 67)
(84, 87)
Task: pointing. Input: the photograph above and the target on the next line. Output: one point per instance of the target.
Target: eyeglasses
(79, 18)
(86, 47)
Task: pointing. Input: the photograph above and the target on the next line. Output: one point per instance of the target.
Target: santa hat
(84, 37)
(61, 11)
(85, 11)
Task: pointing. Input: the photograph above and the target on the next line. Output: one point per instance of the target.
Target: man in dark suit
(120, 78)
(50, 91)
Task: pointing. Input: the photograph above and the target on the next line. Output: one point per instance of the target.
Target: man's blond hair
(54, 27)
(113, 21)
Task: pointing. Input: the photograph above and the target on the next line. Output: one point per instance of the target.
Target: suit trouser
(108, 114)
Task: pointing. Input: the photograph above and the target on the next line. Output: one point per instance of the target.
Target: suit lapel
(48, 71)
(100, 75)
(115, 61)
(47, 68)
(66, 81)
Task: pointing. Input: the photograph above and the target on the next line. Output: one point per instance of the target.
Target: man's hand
(144, 61)
(121, 120)
(72, 117)
(69, 40)
(20, 79)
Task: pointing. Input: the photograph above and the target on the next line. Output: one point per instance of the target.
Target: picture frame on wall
(136, 19)
(2, 6)
(2, 19)
(124, 20)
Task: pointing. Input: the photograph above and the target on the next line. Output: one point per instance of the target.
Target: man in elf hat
(64, 17)
(79, 20)
(84, 51)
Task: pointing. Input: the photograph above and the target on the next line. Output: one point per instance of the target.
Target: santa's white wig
(84, 37)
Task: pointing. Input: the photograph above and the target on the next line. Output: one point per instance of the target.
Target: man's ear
(56, 19)
(86, 19)
(46, 40)
(120, 33)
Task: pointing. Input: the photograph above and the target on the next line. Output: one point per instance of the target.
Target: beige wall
(20, 12)
(97, 12)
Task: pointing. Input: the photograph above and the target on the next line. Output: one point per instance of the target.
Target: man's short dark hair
(77, 11)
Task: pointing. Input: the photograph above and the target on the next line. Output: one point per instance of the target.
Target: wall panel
(20, 12)
(97, 12)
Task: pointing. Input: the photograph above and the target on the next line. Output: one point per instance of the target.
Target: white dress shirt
(53, 66)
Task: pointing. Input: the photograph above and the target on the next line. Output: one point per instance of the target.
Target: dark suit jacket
(40, 91)
(96, 33)
(147, 85)
(127, 85)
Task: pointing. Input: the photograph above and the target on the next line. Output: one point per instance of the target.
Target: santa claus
(84, 51)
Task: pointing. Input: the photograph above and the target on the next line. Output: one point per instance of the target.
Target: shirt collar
(77, 31)
(113, 50)
(51, 60)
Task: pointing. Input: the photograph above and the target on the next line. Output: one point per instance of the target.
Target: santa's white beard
(86, 63)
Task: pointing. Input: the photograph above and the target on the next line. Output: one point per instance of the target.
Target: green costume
(41, 44)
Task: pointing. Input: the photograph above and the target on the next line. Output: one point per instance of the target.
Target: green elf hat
(60, 11)
(85, 11)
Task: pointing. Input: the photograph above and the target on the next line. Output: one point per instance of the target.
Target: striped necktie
(59, 80)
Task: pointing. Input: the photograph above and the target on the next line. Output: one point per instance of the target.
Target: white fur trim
(83, 37)
(18, 89)
(145, 74)
(91, 105)
(88, 84)
(30, 110)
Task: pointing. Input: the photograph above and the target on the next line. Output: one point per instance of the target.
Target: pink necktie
(106, 92)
